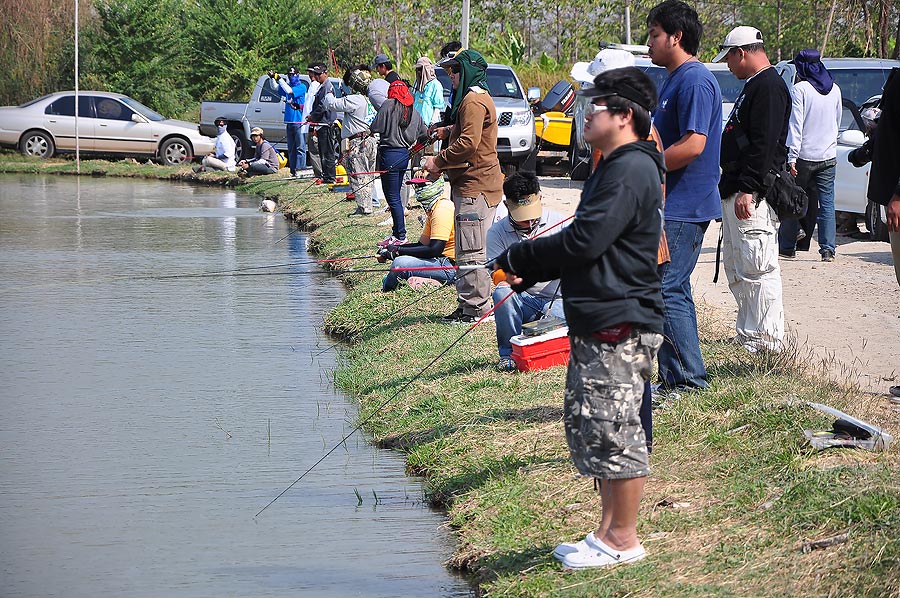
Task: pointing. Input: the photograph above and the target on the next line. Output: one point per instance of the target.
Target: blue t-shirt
(292, 115)
(690, 100)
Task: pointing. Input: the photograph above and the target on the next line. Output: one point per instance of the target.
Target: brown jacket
(473, 141)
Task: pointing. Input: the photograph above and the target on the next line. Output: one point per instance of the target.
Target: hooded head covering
(810, 68)
(424, 73)
(473, 71)
(398, 90)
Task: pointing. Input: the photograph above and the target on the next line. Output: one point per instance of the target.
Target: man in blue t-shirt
(293, 118)
(689, 121)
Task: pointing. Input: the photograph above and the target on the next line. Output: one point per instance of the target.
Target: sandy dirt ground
(846, 312)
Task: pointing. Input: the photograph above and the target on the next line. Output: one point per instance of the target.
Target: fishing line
(386, 402)
(429, 293)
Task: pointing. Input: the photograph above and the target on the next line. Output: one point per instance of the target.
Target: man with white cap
(753, 146)
(689, 121)
(527, 218)
(606, 59)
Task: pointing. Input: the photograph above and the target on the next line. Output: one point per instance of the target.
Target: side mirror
(534, 94)
(135, 117)
(852, 137)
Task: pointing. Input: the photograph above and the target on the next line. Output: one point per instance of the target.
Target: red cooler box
(541, 352)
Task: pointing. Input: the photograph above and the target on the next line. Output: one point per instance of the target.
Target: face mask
(294, 79)
(527, 229)
(221, 129)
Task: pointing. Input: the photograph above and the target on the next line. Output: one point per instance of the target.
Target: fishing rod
(429, 293)
(378, 174)
(386, 402)
(227, 274)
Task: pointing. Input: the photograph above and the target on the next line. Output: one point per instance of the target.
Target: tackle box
(540, 352)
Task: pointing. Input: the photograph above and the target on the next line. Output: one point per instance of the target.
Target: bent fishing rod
(386, 402)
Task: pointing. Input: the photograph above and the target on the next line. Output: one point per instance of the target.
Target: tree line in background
(170, 54)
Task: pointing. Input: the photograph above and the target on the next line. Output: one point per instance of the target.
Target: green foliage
(138, 49)
(234, 42)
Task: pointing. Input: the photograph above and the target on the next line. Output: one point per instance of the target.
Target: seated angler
(265, 160)
(527, 218)
(436, 245)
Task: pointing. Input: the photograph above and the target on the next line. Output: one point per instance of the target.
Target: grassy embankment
(735, 491)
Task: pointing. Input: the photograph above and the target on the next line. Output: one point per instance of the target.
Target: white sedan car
(108, 123)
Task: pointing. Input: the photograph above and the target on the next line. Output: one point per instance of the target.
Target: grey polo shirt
(502, 234)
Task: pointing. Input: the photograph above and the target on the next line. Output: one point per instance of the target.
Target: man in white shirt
(222, 157)
(812, 151)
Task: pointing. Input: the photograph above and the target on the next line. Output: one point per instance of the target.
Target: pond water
(147, 416)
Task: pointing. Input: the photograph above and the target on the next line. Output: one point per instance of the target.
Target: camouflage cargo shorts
(604, 386)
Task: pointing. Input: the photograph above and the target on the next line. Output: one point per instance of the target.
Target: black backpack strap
(719, 251)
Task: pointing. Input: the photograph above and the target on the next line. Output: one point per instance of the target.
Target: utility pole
(464, 29)
(628, 22)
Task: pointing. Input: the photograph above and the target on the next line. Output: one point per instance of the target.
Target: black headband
(622, 89)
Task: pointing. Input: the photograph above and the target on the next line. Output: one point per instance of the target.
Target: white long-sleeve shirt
(813, 128)
(225, 149)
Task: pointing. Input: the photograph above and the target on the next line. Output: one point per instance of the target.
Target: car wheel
(241, 144)
(579, 161)
(175, 151)
(878, 230)
(37, 143)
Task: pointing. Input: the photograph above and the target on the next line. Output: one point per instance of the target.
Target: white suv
(515, 132)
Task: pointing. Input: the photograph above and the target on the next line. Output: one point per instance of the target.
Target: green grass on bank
(13, 162)
(735, 491)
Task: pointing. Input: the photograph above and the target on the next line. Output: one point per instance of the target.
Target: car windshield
(730, 85)
(502, 83)
(142, 110)
(858, 84)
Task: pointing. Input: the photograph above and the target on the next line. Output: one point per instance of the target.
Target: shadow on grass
(530, 415)
(494, 565)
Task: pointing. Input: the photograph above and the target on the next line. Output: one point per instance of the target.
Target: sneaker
(359, 212)
(595, 553)
(458, 317)
(388, 222)
(788, 255)
(391, 240)
(350, 197)
(319, 182)
(827, 256)
(198, 168)
(801, 234)
(506, 364)
(894, 391)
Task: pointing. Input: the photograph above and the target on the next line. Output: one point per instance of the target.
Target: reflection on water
(146, 419)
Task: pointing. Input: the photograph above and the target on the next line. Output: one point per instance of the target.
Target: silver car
(108, 123)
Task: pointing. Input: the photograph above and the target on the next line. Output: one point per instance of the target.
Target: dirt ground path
(846, 312)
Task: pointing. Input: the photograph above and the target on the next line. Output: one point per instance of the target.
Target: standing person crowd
(621, 269)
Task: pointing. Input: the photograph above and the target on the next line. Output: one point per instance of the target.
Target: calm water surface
(145, 420)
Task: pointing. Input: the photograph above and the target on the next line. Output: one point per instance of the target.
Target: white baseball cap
(737, 37)
(607, 59)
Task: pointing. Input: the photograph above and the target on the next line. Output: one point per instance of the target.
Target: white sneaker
(597, 554)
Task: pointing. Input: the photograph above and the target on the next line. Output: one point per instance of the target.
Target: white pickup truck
(265, 110)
